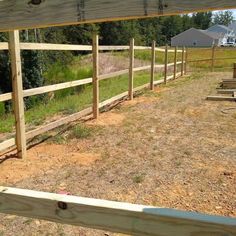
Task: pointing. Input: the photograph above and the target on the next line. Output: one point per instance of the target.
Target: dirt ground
(168, 148)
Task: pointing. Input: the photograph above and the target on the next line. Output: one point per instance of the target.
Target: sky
(234, 11)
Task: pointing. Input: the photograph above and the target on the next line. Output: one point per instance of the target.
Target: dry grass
(172, 148)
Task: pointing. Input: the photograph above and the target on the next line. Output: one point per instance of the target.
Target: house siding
(193, 38)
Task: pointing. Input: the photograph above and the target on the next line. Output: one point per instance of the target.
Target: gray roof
(214, 35)
(219, 29)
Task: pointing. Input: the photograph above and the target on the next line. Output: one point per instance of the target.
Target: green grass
(73, 100)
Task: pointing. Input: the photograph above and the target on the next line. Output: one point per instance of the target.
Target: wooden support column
(166, 65)
(17, 86)
(175, 62)
(182, 64)
(153, 65)
(131, 70)
(186, 61)
(95, 76)
(234, 75)
(213, 59)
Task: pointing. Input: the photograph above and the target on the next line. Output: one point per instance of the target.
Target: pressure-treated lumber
(65, 120)
(166, 64)
(113, 74)
(4, 46)
(234, 71)
(186, 61)
(95, 76)
(17, 85)
(46, 89)
(182, 64)
(54, 47)
(175, 62)
(18, 14)
(153, 61)
(7, 144)
(226, 91)
(221, 98)
(213, 58)
(131, 69)
(141, 68)
(112, 216)
(113, 48)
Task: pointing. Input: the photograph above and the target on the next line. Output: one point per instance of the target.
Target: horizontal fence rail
(11, 143)
(111, 216)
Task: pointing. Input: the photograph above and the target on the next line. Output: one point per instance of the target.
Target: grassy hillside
(71, 100)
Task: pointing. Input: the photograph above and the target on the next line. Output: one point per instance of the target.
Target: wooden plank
(153, 62)
(17, 84)
(4, 46)
(54, 47)
(166, 64)
(131, 69)
(175, 63)
(182, 64)
(186, 61)
(95, 76)
(5, 97)
(7, 144)
(213, 58)
(18, 14)
(142, 48)
(226, 91)
(141, 68)
(112, 216)
(65, 120)
(199, 60)
(113, 48)
(113, 74)
(221, 98)
(113, 99)
(56, 87)
(46, 89)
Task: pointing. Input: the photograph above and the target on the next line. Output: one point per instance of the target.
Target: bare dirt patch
(108, 118)
(168, 148)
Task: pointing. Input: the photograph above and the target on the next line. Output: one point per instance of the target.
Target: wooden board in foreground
(112, 216)
(19, 14)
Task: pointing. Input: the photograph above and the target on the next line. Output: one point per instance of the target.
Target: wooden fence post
(17, 86)
(166, 64)
(95, 76)
(213, 59)
(186, 61)
(175, 62)
(182, 64)
(234, 74)
(153, 65)
(131, 69)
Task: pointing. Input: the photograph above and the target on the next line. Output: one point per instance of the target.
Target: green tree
(223, 18)
(202, 20)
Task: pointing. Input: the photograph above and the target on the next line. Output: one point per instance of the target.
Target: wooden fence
(211, 58)
(112, 216)
(15, 47)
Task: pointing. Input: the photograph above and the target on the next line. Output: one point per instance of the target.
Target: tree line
(161, 29)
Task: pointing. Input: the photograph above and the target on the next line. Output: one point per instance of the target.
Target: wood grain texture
(95, 76)
(17, 87)
(18, 14)
(175, 63)
(131, 69)
(54, 47)
(7, 144)
(112, 216)
(153, 61)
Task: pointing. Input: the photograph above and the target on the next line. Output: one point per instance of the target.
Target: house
(196, 38)
(216, 35)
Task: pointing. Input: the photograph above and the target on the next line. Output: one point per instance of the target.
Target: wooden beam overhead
(22, 14)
